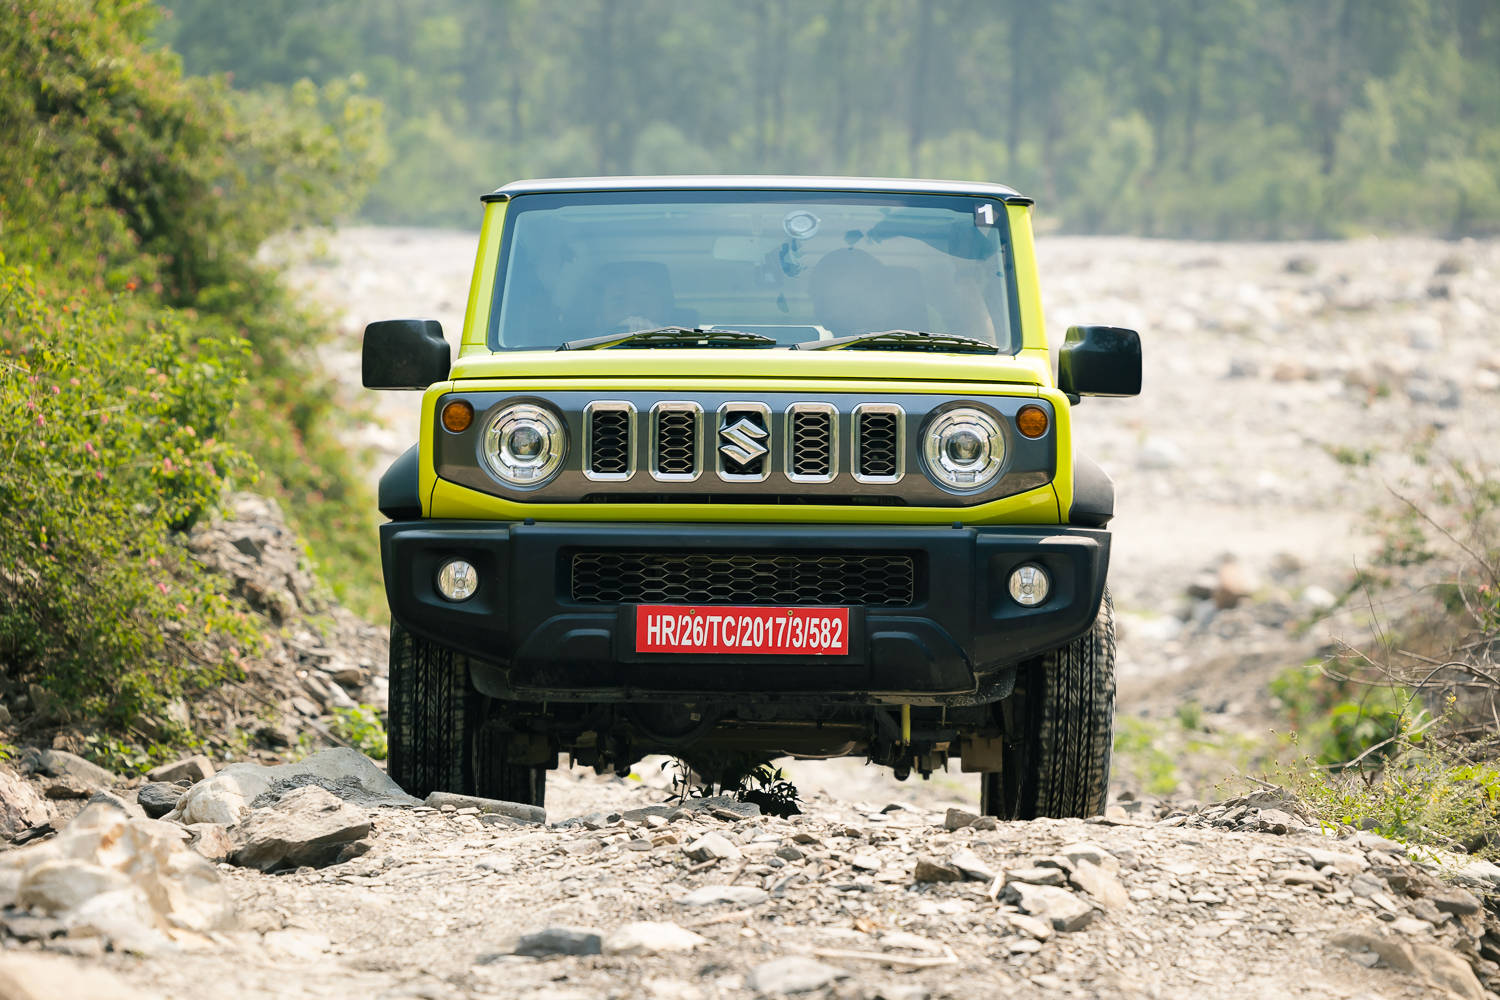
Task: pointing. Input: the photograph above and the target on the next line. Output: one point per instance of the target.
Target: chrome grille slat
(676, 441)
(811, 442)
(609, 441)
(879, 442)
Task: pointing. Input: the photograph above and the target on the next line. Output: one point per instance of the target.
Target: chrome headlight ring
(964, 449)
(524, 445)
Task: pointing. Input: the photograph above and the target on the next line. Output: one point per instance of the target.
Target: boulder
(227, 797)
(712, 847)
(158, 798)
(651, 938)
(195, 768)
(50, 977)
(306, 826)
(211, 841)
(61, 764)
(128, 879)
(1065, 911)
(739, 895)
(792, 974)
(21, 808)
(927, 870)
(560, 941)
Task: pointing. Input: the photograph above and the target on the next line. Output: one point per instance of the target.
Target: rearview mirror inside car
(1100, 361)
(404, 354)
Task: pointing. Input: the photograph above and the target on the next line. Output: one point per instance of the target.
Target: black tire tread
(1059, 766)
(438, 738)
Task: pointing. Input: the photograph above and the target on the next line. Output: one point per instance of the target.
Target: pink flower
(88, 446)
(163, 588)
(56, 391)
(166, 464)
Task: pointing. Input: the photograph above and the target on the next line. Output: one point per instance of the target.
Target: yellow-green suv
(737, 467)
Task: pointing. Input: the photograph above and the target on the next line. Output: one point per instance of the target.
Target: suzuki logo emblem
(742, 441)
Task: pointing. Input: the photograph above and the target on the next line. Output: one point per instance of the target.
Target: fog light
(458, 580)
(1029, 585)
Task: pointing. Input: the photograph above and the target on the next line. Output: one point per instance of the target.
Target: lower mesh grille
(735, 578)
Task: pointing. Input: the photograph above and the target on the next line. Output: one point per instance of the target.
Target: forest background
(1195, 118)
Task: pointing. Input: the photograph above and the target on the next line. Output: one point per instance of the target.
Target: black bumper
(956, 642)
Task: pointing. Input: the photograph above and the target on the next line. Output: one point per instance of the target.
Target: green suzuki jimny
(730, 468)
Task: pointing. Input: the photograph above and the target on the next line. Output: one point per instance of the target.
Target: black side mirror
(405, 354)
(1100, 361)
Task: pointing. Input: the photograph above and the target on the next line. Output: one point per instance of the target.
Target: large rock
(306, 826)
(497, 807)
(227, 797)
(651, 938)
(21, 808)
(1065, 911)
(560, 941)
(61, 764)
(195, 768)
(49, 977)
(158, 798)
(792, 974)
(712, 847)
(131, 880)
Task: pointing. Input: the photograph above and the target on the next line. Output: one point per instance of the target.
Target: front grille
(811, 433)
(743, 578)
(877, 450)
(676, 441)
(609, 440)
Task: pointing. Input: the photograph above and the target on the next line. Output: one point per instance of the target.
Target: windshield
(796, 267)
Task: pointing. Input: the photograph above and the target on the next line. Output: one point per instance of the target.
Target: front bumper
(957, 642)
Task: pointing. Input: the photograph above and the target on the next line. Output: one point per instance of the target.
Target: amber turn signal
(1032, 421)
(458, 415)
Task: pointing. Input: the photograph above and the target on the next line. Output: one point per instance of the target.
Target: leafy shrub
(112, 421)
(1339, 718)
(362, 729)
(148, 357)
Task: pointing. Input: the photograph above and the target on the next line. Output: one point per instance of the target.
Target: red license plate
(666, 628)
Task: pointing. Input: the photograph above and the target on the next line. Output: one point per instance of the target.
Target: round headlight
(525, 444)
(964, 449)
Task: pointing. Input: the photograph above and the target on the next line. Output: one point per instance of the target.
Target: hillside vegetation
(146, 360)
(1233, 118)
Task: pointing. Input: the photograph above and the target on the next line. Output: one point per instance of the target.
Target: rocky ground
(323, 879)
(1285, 386)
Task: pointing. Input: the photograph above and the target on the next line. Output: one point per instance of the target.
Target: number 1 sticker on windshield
(664, 628)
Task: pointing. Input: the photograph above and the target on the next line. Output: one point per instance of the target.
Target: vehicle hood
(1030, 368)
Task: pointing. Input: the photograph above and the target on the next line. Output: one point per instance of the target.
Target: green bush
(1338, 718)
(148, 357)
(112, 417)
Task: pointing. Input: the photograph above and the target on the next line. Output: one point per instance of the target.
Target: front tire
(1056, 760)
(442, 735)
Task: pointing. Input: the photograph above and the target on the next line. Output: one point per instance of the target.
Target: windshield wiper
(671, 336)
(902, 340)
